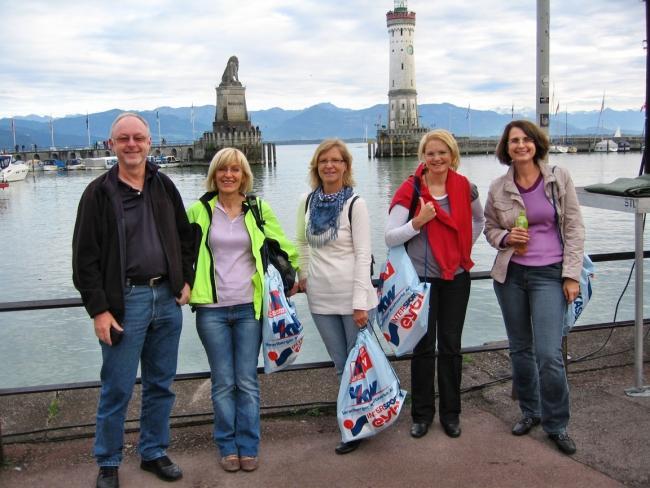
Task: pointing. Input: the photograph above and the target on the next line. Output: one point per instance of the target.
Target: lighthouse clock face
(409, 49)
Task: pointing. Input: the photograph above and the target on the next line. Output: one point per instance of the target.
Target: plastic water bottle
(522, 222)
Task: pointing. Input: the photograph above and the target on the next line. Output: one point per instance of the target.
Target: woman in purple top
(536, 273)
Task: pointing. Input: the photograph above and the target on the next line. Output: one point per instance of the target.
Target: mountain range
(310, 124)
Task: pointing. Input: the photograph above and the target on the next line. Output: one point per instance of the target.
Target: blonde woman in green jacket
(227, 294)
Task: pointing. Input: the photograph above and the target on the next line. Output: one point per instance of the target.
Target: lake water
(56, 346)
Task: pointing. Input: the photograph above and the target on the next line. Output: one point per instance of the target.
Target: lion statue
(230, 74)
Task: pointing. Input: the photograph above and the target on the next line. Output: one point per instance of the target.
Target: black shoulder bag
(271, 251)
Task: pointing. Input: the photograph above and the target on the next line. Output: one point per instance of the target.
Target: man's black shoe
(163, 468)
(419, 429)
(346, 447)
(452, 429)
(564, 442)
(107, 477)
(524, 425)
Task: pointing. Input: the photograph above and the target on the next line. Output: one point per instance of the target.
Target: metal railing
(31, 305)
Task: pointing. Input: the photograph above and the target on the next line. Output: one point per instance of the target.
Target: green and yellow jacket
(200, 215)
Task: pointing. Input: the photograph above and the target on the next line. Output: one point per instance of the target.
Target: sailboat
(604, 145)
(557, 148)
(570, 148)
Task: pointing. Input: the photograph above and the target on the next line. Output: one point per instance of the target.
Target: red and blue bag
(282, 332)
(370, 398)
(402, 312)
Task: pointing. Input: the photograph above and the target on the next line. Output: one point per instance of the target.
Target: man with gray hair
(132, 253)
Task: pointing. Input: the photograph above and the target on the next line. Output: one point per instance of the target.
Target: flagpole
(52, 131)
(158, 122)
(87, 129)
(192, 117)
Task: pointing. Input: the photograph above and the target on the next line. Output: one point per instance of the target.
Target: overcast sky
(61, 57)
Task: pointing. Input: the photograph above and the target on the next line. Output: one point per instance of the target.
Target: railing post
(2, 456)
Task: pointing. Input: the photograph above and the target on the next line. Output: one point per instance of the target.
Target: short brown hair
(531, 130)
(326, 145)
(443, 136)
(224, 157)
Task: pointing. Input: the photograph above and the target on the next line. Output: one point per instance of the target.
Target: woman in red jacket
(437, 214)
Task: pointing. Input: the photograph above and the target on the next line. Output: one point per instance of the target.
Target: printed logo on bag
(282, 329)
(286, 353)
(380, 416)
(390, 271)
(386, 299)
(578, 305)
(408, 313)
(361, 365)
(385, 413)
(276, 307)
(361, 395)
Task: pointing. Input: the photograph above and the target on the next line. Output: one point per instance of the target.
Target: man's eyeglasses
(138, 139)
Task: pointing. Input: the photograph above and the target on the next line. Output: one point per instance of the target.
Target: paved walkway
(611, 430)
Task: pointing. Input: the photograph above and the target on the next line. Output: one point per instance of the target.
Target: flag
(557, 109)
(157, 116)
(467, 114)
(87, 127)
(512, 111)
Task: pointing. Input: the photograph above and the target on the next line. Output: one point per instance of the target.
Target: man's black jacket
(99, 243)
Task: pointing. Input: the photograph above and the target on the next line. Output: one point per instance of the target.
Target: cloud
(71, 56)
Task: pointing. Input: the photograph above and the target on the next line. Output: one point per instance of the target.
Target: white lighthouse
(402, 95)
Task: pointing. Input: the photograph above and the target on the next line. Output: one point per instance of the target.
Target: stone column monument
(231, 100)
(232, 126)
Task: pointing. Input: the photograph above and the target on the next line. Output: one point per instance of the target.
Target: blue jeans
(339, 333)
(533, 304)
(232, 337)
(152, 329)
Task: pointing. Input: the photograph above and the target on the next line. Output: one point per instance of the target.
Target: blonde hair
(224, 157)
(326, 145)
(443, 136)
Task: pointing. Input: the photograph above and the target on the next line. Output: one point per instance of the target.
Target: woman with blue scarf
(333, 240)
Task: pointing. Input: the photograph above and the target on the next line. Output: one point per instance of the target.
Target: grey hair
(124, 115)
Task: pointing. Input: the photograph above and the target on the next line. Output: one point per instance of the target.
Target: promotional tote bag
(370, 398)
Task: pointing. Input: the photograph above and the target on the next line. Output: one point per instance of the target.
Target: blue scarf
(324, 215)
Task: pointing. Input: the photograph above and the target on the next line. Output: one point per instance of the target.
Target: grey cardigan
(504, 203)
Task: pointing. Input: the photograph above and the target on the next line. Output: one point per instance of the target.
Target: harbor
(38, 214)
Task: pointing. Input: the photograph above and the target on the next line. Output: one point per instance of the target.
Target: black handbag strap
(415, 197)
(253, 205)
(557, 218)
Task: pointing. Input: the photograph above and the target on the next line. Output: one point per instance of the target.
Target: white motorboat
(558, 149)
(51, 165)
(110, 161)
(12, 169)
(606, 145)
(168, 161)
(74, 164)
